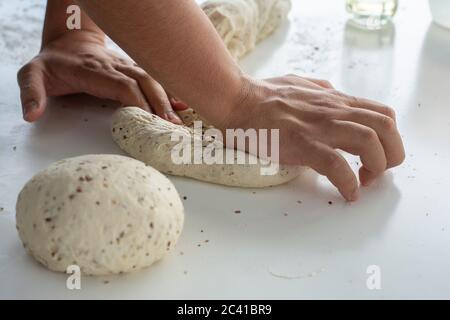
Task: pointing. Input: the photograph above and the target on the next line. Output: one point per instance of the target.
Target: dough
(243, 23)
(147, 137)
(108, 214)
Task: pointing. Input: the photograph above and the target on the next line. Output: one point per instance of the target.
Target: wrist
(72, 38)
(55, 26)
(235, 104)
(242, 104)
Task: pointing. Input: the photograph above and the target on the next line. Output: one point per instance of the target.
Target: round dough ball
(108, 214)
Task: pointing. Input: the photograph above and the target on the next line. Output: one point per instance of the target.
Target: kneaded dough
(147, 137)
(108, 214)
(243, 23)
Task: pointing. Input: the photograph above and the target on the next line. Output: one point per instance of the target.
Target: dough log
(243, 23)
(147, 137)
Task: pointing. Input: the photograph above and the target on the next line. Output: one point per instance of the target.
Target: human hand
(314, 120)
(79, 62)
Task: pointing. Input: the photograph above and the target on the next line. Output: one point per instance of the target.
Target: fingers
(386, 130)
(177, 105)
(367, 104)
(32, 92)
(362, 141)
(330, 163)
(111, 84)
(382, 119)
(154, 92)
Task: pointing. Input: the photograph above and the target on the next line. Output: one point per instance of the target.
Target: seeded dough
(243, 23)
(108, 214)
(147, 137)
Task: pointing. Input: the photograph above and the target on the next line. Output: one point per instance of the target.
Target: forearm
(175, 42)
(56, 17)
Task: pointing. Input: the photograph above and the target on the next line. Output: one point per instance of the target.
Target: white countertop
(317, 250)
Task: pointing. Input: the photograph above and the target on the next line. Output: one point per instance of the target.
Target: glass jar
(372, 14)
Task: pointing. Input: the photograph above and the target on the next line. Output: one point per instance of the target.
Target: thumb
(32, 92)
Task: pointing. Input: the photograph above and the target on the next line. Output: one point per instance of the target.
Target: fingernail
(355, 195)
(29, 107)
(366, 177)
(367, 182)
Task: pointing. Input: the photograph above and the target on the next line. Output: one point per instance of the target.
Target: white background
(402, 223)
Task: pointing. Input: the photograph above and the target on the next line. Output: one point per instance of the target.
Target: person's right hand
(79, 62)
(314, 120)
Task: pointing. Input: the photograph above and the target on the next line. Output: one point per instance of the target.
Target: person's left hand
(79, 62)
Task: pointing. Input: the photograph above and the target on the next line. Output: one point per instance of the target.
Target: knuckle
(369, 136)
(91, 64)
(26, 76)
(291, 79)
(127, 84)
(390, 112)
(282, 95)
(325, 83)
(352, 99)
(338, 93)
(127, 91)
(398, 160)
(86, 55)
(328, 101)
(387, 123)
(25, 70)
(142, 75)
(334, 162)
